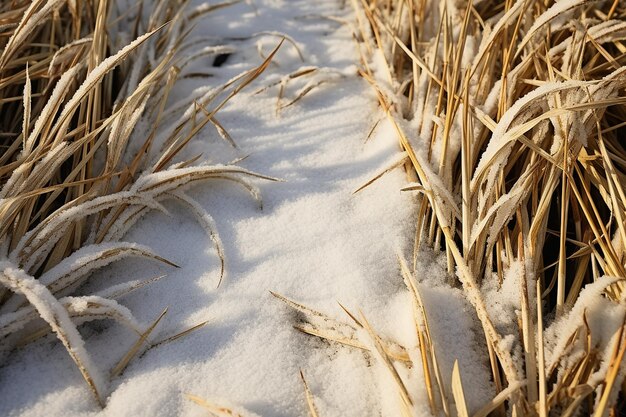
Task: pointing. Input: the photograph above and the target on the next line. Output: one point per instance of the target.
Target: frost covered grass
(510, 116)
(89, 144)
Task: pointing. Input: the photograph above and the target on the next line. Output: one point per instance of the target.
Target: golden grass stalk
(309, 397)
(214, 409)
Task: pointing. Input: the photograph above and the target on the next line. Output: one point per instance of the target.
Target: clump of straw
(510, 114)
(76, 92)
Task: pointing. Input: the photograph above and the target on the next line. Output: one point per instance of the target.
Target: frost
(51, 310)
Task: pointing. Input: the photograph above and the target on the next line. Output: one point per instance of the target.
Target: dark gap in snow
(220, 60)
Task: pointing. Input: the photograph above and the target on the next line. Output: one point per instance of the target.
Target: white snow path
(314, 241)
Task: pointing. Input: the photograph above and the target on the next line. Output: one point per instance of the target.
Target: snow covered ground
(313, 241)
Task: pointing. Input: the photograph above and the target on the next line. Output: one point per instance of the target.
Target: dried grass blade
(218, 410)
(402, 389)
(123, 363)
(458, 392)
(309, 397)
(499, 399)
(207, 222)
(178, 335)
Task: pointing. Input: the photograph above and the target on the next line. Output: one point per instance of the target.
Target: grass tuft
(75, 92)
(511, 115)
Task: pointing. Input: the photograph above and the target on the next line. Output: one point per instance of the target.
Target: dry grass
(212, 409)
(73, 96)
(509, 115)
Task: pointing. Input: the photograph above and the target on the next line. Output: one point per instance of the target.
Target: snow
(314, 241)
